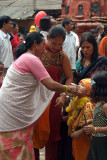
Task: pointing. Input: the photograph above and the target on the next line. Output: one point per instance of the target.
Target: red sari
(54, 68)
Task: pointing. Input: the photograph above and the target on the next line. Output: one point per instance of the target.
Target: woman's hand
(89, 129)
(72, 89)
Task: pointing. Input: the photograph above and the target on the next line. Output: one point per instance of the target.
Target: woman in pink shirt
(26, 92)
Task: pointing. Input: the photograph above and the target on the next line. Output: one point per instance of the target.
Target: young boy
(80, 112)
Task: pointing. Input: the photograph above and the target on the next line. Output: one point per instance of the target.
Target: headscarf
(87, 84)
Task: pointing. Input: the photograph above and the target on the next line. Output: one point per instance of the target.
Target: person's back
(6, 55)
(44, 26)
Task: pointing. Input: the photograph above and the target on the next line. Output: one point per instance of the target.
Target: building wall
(84, 9)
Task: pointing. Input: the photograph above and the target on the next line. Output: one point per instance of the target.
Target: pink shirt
(29, 63)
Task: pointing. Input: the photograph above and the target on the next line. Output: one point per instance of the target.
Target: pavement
(42, 154)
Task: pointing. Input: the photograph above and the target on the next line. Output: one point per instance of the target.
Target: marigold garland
(73, 110)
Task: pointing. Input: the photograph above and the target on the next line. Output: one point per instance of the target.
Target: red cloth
(55, 112)
(15, 42)
(54, 68)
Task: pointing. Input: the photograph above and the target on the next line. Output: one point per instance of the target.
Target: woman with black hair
(99, 127)
(55, 60)
(90, 61)
(25, 94)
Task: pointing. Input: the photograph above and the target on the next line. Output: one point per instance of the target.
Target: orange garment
(42, 130)
(103, 47)
(80, 147)
(86, 82)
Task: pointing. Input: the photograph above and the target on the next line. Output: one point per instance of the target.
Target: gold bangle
(95, 128)
(66, 88)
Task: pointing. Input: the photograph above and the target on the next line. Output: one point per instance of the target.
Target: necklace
(86, 62)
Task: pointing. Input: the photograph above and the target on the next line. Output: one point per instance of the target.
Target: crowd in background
(52, 65)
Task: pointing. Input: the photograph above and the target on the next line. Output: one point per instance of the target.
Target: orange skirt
(80, 147)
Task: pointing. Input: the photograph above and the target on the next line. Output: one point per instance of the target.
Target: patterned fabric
(81, 145)
(17, 145)
(54, 67)
(87, 84)
(99, 119)
(22, 100)
(98, 65)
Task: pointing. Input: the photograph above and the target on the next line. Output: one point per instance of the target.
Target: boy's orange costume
(78, 110)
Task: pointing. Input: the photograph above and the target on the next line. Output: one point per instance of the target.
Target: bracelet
(66, 88)
(63, 93)
(95, 130)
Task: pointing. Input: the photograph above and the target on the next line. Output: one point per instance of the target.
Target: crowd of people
(53, 67)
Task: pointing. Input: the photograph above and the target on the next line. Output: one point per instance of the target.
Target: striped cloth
(22, 100)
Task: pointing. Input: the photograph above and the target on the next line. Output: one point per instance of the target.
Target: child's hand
(88, 122)
(89, 129)
(77, 134)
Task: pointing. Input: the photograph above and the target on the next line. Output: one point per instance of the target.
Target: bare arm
(105, 109)
(55, 86)
(67, 69)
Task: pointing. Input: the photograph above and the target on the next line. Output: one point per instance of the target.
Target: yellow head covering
(32, 29)
(87, 84)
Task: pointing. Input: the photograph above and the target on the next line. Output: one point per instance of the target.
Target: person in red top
(15, 41)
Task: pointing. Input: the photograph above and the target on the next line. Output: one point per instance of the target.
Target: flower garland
(74, 108)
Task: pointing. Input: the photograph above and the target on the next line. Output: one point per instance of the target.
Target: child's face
(82, 90)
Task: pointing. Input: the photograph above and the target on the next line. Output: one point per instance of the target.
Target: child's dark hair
(14, 24)
(27, 44)
(99, 86)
